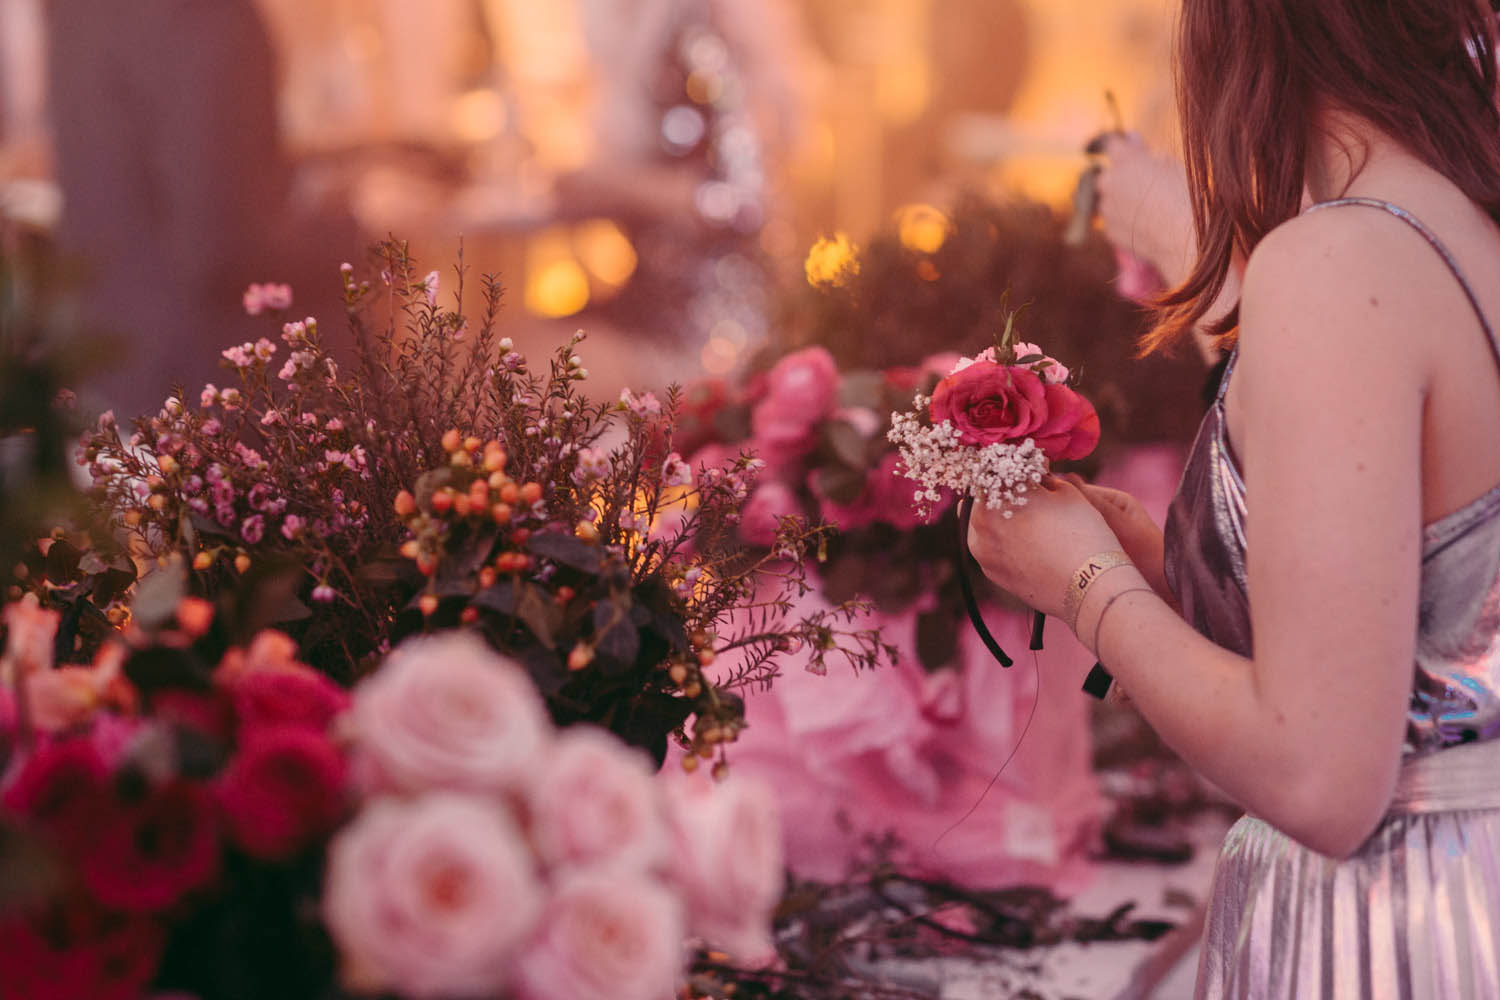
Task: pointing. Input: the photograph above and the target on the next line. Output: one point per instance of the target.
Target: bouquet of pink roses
(990, 428)
(226, 822)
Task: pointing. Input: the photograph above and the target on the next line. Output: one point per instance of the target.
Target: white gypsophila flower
(936, 458)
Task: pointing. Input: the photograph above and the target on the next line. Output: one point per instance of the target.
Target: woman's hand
(1033, 553)
(1139, 535)
(1145, 208)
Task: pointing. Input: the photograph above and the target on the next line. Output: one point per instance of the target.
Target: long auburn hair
(1251, 78)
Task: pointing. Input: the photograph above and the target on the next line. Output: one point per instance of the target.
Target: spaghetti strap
(1436, 244)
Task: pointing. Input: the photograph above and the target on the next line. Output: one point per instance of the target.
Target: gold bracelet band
(1083, 577)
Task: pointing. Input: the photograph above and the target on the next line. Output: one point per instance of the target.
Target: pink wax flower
(762, 513)
(594, 803)
(430, 898)
(260, 297)
(799, 391)
(605, 936)
(728, 861)
(446, 712)
(1050, 369)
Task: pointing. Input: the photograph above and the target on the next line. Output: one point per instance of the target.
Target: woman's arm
(1327, 413)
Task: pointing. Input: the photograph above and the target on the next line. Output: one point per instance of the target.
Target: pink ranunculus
(595, 803)
(989, 403)
(762, 513)
(281, 791)
(446, 712)
(800, 390)
(606, 936)
(1071, 429)
(728, 861)
(430, 897)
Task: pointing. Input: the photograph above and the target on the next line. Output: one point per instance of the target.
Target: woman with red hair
(1319, 629)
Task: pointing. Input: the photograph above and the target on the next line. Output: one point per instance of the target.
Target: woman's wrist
(1101, 602)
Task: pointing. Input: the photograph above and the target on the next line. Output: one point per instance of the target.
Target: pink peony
(595, 803)
(762, 513)
(1071, 429)
(430, 897)
(283, 790)
(605, 936)
(728, 861)
(989, 403)
(799, 391)
(446, 712)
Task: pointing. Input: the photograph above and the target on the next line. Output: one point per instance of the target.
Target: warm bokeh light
(478, 116)
(922, 228)
(605, 251)
(831, 261)
(556, 283)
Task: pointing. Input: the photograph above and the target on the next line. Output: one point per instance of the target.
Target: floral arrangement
(992, 425)
(225, 821)
(439, 480)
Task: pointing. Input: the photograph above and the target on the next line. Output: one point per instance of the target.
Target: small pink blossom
(292, 527)
(595, 803)
(676, 472)
(212, 427)
(605, 936)
(334, 425)
(324, 594)
(260, 297)
(431, 897)
(253, 529)
(271, 418)
(446, 712)
(644, 405)
(209, 396)
(430, 287)
(241, 356)
(230, 399)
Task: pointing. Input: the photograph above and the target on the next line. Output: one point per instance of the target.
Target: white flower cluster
(936, 458)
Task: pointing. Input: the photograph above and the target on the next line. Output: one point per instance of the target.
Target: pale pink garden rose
(432, 897)
(605, 936)
(62, 698)
(595, 803)
(762, 513)
(728, 861)
(445, 711)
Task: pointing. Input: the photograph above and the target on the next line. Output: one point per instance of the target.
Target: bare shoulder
(1337, 283)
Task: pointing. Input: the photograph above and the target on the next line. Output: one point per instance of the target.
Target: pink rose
(62, 697)
(989, 403)
(287, 697)
(595, 803)
(430, 897)
(800, 390)
(728, 861)
(445, 711)
(861, 512)
(1071, 429)
(762, 513)
(605, 936)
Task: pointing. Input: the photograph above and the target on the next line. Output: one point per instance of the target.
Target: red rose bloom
(301, 697)
(148, 854)
(282, 791)
(1071, 429)
(62, 788)
(78, 952)
(989, 403)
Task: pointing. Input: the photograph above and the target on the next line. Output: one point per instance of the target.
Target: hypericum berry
(531, 492)
(203, 561)
(242, 563)
(678, 673)
(509, 492)
(461, 505)
(487, 577)
(580, 657)
(472, 443)
(410, 548)
(428, 603)
(452, 440)
(706, 657)
(494, 459)
(469, 615)
(406, 504)
(501, 513)
(442, 501)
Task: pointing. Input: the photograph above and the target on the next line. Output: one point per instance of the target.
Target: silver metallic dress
(1415, 912)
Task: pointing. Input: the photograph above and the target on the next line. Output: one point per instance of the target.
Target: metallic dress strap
(1436, 244)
